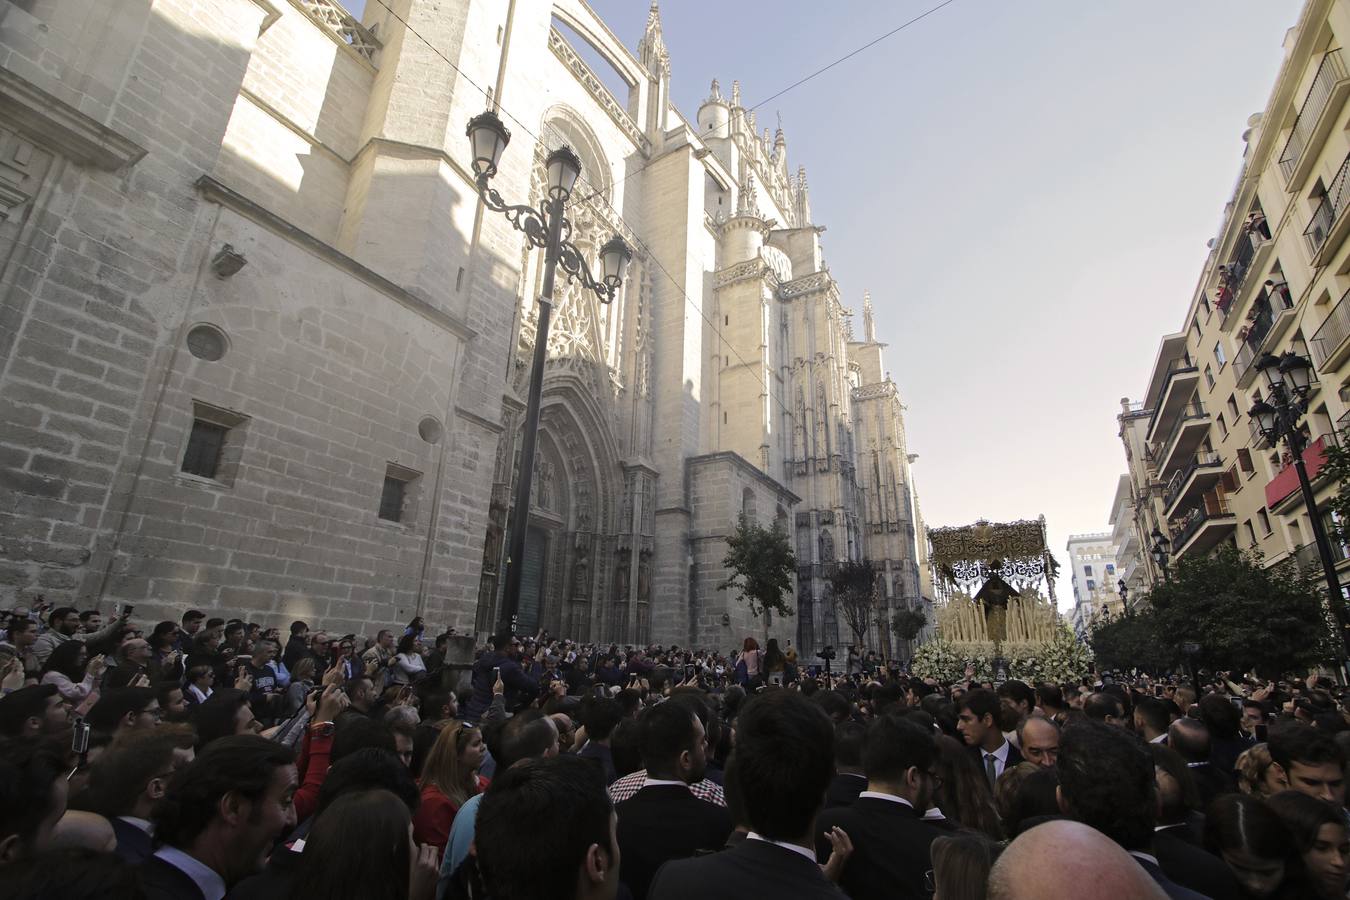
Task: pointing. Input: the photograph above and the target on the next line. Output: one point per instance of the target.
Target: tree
(853, 585)
(1337, 469)
(761, 564)
(1243, 615)
(906, 624)
(1130, 641)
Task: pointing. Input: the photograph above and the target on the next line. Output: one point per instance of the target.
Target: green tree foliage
(907, 623)
(1337, 469)
(1244, 616)
(853, 585)
(761, 564)
(1127, 642)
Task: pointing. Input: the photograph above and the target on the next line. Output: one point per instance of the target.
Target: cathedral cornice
(582, 72)
(744, 271)
(814, 283)
(876, 391)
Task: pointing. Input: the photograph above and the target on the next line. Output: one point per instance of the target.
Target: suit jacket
(890, 848)
(1014, 757)
(133, 845)
(752, 868)
(1171, 888)
(1191, 867)
(664, 822)
(161, 881)
(844, 789)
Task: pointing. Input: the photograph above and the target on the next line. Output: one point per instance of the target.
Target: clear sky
(1025, 188)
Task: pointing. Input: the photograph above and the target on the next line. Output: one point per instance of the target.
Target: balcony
(1192, 424)
(1329, 346)
(1328, 90)
(1310, 561)
(1327, 228)
(1271, 316)
(1181, 380)
(1250, 251)
(1203, 473)
(1203, 526)
(1283, 491)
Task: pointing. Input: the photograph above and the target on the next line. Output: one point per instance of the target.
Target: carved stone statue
(581, 570)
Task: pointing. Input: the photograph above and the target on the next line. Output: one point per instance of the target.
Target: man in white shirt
(220, 817)
(891, 839)
(978, 723)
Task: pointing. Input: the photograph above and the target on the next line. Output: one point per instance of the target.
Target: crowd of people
(213, 758)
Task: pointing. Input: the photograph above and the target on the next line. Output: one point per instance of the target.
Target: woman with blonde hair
(449, 778)
(1256, 775)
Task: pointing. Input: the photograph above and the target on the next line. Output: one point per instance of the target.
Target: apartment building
(1277, 279)
(1092, 561)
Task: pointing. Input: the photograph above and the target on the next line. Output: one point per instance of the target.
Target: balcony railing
(1178, 481)
(1190, 412)
(1196, 517)
(1331, 334)
(1331, 71)
(1309, 560)
(1329, 210)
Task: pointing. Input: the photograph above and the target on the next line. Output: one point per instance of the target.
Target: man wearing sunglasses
(890, 839)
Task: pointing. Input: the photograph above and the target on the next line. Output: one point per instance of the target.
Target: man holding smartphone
(499, 663)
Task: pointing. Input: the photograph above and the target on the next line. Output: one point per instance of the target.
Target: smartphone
(128, 609)
(496, 674)
(79, 741)
(1236, 701)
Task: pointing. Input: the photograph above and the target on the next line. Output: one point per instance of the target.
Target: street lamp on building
(1162, 549)
(1289, 378)
(1123, 589)
(548, 229)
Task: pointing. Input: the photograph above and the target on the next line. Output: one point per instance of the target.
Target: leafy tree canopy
(761, 566)
(1243, 615)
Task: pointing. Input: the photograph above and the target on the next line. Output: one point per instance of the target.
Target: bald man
(1039, 738)
(84, 829)
(1087, 866)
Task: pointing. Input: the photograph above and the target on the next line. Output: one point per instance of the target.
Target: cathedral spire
(803, 199)
(651, 49)
(735, 92)
(869, 324)
(747, 204)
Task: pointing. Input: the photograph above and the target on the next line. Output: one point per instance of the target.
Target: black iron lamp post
(1162, 549)
(1123, 589)
(1289, 378)
(548, 229)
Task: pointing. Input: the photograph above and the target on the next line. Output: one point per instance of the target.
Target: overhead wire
(598, 193)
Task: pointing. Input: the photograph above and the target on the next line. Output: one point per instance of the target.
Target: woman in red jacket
(449, 778)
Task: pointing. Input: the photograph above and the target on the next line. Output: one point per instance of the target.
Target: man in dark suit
(664, 820)
(890, 839)
(849, 780)
(978, 723)
(782, 765)
(1190, 737)
(220, 816)
(130, 777)
(1107, 781)
(1180, 859)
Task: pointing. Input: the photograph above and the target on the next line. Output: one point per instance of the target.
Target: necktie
(989, 760)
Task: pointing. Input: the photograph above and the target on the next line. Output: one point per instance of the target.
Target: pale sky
(1026, 188)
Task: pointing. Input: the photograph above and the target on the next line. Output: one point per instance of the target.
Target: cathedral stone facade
(263, 350)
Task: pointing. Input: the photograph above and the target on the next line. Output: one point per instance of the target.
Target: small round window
(429, 430)
(206, 342)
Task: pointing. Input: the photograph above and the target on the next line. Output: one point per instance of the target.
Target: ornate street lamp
(546, 228)
(1162, 550)
(1123, 589)
(1289, 378)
